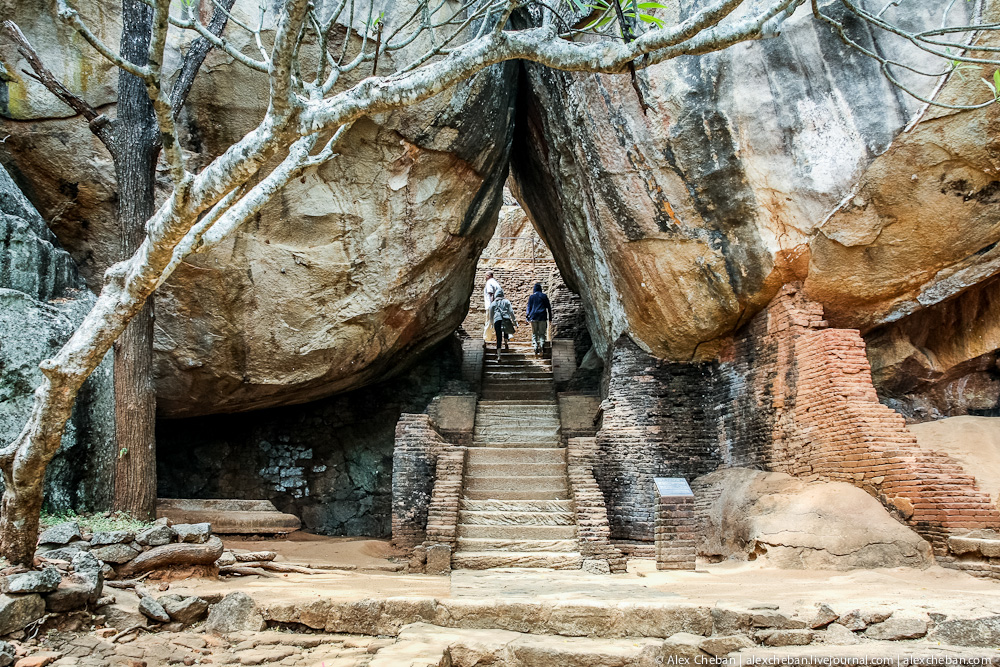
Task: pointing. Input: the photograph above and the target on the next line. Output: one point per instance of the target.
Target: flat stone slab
(226, 517)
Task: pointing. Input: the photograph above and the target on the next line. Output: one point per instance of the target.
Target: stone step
(482, 455)
(534, 494)
(517, 533)
(505, 375)
(505, 394)
(484, 560)
(517, 408)
(229, 517)
(507, 518)
(517, 506)
(515, 434)
(516, 469)
(501, 483)
(535, 444)
(490, 544)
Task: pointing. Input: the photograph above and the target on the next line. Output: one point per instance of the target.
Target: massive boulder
(42, 301)
(771, 162)
(352, 271)
(800, 525)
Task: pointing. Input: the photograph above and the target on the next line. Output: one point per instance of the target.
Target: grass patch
(96, 523)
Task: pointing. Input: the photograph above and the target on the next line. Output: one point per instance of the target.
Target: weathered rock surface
(983, 631)
(237, 612)
(795, 524)
(153, 610)
(756, 166)
(42, 300)
(898, 627)
(973, 442)
(39, 581)
(61, 534)
(352, 271)
(184, 610)
(16, 611)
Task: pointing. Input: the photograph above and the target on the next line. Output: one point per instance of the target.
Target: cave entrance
(519, 258)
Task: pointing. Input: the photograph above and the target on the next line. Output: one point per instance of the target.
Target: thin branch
(72, 17)
(99, 123)
(196, 55)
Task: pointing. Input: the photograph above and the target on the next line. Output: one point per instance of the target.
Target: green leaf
(651, 19)
(990, 86)
(996, 80)
(651, 5)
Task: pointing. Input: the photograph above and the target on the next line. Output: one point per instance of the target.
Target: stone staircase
(516, 509)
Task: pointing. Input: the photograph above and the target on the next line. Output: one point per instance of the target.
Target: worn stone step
(515, 506)
(480, 455)
(515, 469)
(534, 444)
(229, 517)
(497, 434)
(517, 533)
(533, 494)
(507, 518)
(517, 408)
(511, 418)
(502, 483)
(512, 375)
(484, 560)
(490, 544)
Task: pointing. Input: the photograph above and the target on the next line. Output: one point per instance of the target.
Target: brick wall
(797, 397)
(442, 513)
(676, 532)
(593, 529)
(660, 420)
(414, 463)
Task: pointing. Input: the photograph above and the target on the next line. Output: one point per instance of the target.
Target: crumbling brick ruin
(789, 395)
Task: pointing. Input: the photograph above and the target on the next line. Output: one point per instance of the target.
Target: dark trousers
(502, 336)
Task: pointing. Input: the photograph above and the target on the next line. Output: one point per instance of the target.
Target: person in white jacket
(490, 290)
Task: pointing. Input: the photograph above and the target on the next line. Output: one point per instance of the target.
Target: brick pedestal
(675, 531)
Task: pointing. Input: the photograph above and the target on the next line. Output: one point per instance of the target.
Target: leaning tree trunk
(136, 148)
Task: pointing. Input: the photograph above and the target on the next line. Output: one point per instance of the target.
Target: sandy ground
(932, 589)
(972, 441)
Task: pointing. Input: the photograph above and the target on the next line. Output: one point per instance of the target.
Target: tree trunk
(20, 512)
(136, 150)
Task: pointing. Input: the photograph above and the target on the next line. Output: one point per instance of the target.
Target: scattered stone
(64, 553)
(82, 587)
(153, 610)
(104, 633)
(837, 634)
(596, 566)
(722, 646)
(115, 553)
(38, 659)
(774, 619)
(156, 535)
(418, 559)
(108, 572)
(853, 620)
(438, 559)
(18, 611)
(38, 581)
(186, 610)
(227, 558)
(121, 617)
(64, 533)
(785, 637)
(729, 621)
(194, 533)
(236, 613)
(898, 627)
(824, 616)
(7, 653)
(111, 537)
(968, 632)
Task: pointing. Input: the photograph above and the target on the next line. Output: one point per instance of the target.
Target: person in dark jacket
(539, 313)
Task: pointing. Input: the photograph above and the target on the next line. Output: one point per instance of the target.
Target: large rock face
(776, 161)
(749, 514)
(42, 301)
(350, 273)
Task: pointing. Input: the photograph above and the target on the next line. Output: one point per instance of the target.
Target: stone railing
(414, 460)
(593, 529)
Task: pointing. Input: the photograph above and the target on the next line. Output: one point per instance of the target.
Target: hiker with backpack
(501, 314)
